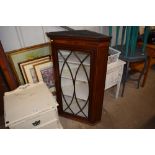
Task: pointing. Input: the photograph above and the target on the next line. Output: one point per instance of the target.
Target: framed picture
(44, 72)
(24, 54)
(28, 71)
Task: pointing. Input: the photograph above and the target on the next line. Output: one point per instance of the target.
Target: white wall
(9, 38)
(91, 28)
(16, 37)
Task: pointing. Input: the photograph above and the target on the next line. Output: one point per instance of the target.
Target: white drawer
(112, 79)
(116, 68)
(52, 125)
(36, 121)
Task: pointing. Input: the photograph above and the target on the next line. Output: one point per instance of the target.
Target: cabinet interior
(74, 70)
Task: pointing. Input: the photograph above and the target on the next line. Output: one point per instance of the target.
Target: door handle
(36, 123)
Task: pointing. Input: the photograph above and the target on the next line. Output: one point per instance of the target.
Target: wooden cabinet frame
(10, 78)
(7, 80)
(94, 44)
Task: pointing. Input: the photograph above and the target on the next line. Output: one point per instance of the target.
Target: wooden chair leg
(146, 72)
(142, 73)
(125, 76)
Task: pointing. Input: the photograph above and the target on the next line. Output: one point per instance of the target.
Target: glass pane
(71, 106)
(74, 70)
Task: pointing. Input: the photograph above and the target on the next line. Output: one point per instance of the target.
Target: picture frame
(24, 54)
(27, 69)
(45, 72)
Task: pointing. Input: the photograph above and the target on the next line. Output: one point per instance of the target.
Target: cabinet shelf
(79, 74)
(73, 59)
(80, 79)
(81, 88)
(77, 107)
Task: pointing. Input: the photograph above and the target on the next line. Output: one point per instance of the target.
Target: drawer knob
(36, 123)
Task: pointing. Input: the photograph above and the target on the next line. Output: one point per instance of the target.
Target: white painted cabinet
(31, 106)
(114, 75)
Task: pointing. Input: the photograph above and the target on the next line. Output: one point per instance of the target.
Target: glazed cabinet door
(74, 76)
(80, 62)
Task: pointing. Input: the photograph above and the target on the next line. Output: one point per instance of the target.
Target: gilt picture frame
(45, 72)
(27, 69)
(26, 54)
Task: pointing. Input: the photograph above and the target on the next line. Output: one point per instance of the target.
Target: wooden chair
(150, 49)
(130, 52)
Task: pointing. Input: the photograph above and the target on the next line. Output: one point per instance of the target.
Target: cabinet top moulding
(79, 35)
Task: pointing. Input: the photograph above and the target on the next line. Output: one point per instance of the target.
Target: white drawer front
(113, 76)
(52, 125)
(114, 69)
(111, 79)
(36, 121)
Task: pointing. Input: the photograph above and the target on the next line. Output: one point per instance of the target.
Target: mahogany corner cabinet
(80, 64)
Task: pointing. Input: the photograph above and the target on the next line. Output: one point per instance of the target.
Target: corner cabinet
(80, 63)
